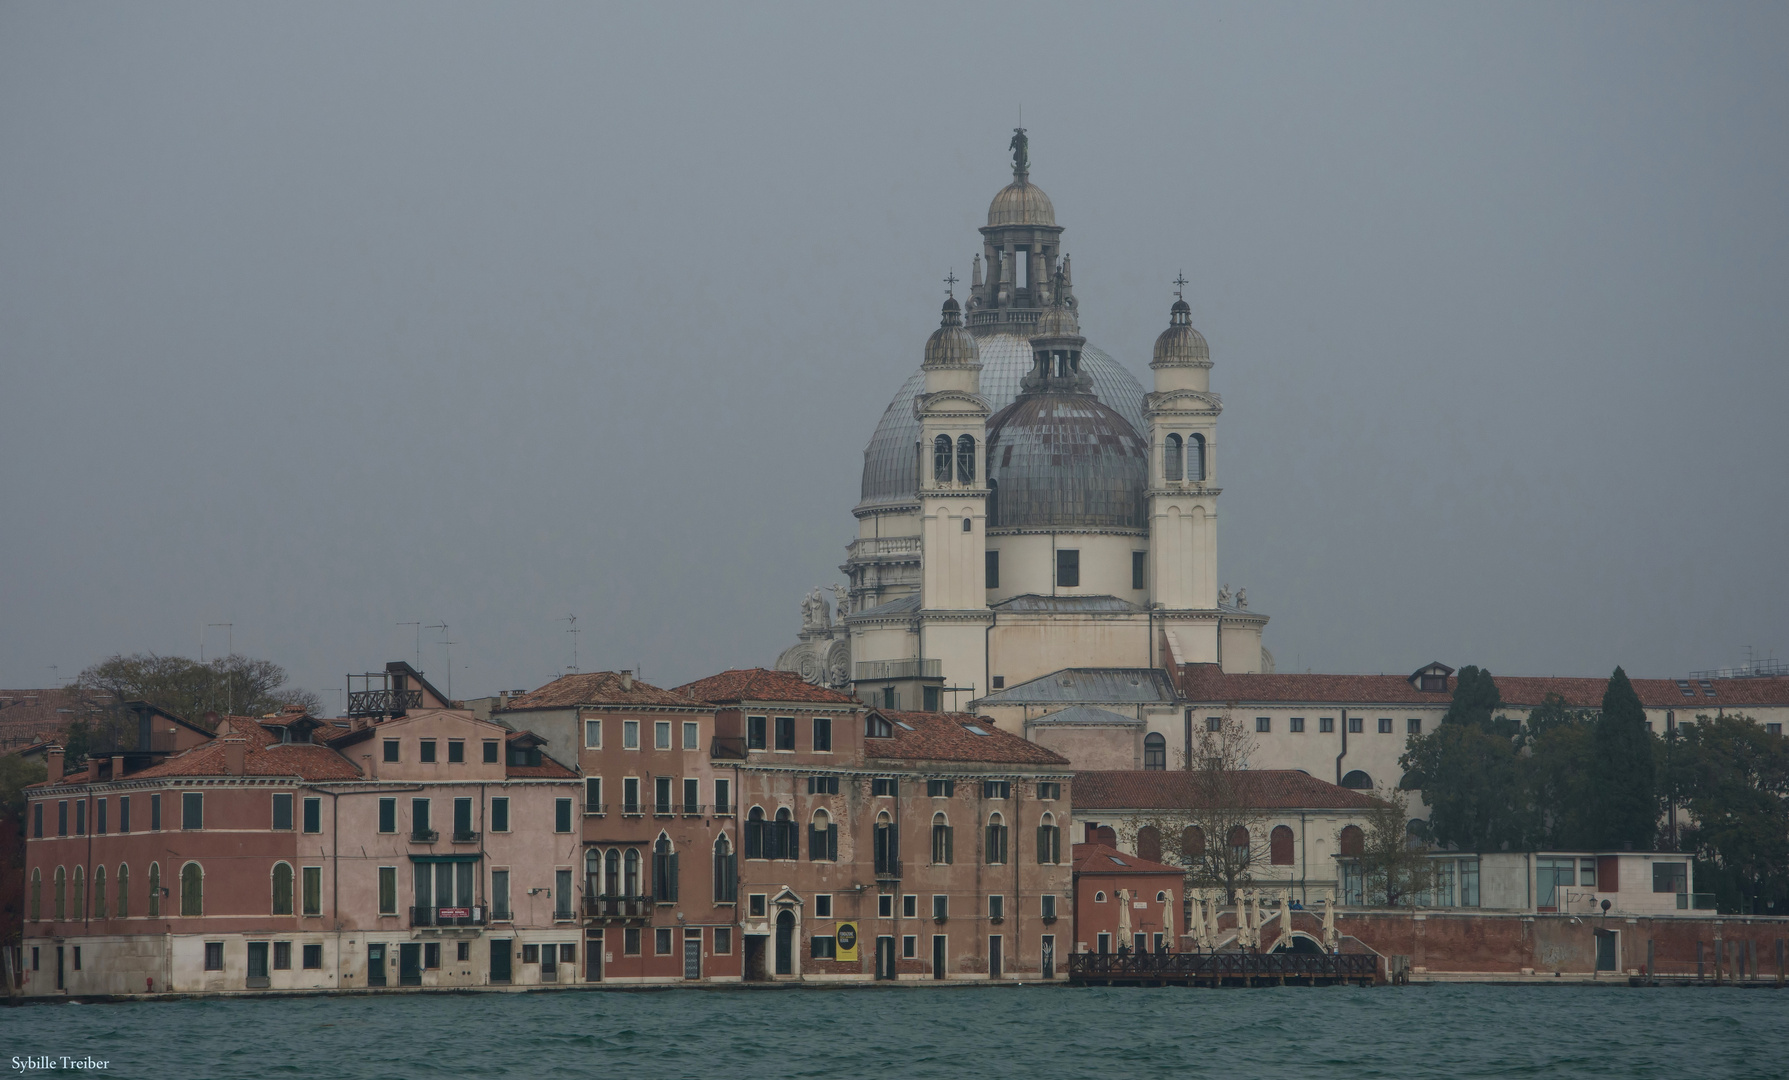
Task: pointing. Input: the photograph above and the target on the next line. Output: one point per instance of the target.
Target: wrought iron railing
(617, 907)
(447, 916)
(383, 702)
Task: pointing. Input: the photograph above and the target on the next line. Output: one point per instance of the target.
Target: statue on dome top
(1021, 153)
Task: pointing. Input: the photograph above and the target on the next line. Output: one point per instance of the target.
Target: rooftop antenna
(442, 626)
(573, 631)
(54, 678)
(1180, 286)
(418, 625)
(950, 284)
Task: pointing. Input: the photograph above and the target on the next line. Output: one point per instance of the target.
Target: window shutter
(673, 876)
(832, 842)
(950, 843)
(894, 841)
(816, 844)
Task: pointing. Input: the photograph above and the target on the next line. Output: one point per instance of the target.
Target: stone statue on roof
(1020, 146)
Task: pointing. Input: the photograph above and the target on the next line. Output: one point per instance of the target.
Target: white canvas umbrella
(1329, 920)
(1124, 916)
(1168, 921)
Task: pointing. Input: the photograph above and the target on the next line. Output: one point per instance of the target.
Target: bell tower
(953, 492)
(1182, 415)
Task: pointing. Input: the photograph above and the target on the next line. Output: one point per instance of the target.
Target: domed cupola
(950, 345)
(1058, 458)
(1021, 203)
(1180, 345)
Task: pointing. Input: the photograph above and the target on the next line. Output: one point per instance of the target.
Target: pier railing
(1221, 967)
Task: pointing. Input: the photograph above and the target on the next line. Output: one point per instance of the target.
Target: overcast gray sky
(318, 318)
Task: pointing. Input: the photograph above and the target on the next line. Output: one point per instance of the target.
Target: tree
(1395, 867)
(1560, 762)
(189, 689)
(1217, 821)
(1470, 770)
(1624, 805)
(1734, 777)
(15, 774)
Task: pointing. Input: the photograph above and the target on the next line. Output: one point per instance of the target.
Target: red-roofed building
(1299, 825)
(1125, 903)
(284, 854)
(887, 845)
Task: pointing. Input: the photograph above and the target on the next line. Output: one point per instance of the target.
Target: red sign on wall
(454, 913)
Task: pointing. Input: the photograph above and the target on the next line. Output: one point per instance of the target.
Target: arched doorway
(785, 943)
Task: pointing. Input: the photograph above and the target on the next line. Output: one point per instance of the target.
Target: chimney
(502, 699)
(235, 753)
(52, 757)
(627, 678)
(117, 766)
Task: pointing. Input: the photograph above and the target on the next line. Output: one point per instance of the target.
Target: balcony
(424, 836)
(631, 810)
(888, 869)
(618, 908)
(724, 810)
(383, 702)
(467, 837)
(1702, 901)
(663, 810)
(872, 548)
(447, 916)
(881, 670)
(596, 809)
(692, 810)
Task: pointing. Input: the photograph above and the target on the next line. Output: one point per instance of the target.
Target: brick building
(1123, 903)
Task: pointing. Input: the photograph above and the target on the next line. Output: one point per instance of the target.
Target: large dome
(1063, 460)
(890, 467)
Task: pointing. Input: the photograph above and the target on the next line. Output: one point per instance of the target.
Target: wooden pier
(1222, 969)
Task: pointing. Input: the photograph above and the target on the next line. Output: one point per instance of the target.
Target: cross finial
(950, 284)
(1180, 285)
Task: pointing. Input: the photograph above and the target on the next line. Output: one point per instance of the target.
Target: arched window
(785, 841)
(1279, 846)
(1149, 843)
(124, 890)
(630, 874)
(754, 833)
(726, 871)
(888, 846)
(1161, 897)
(941, 459)
(1358, 780)
(1155, 752)
(36, 894)
(612, 872)
(823, 838)
(282, 889)
(1195, 457)
(1099, 897)
(1171, 458)
(995, 847)
(1049, 842)
(1192, 842)
(1353, 842)
(943, 842)
(593, 872)
(80, 894)
(155, 890)
(99, 892)
(1105, 835)
(192, 890)
(59, 898)
(965, 459)
(664, 869)
(1239, 844)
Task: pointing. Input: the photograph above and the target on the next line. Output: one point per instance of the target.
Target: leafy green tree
(189, 689)
(1470, 771)
(1476, 698)
(1559, 763)
(1734, 777)
(16, 774)
(1624, 803)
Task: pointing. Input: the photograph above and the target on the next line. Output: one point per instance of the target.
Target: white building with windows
(1027, 506)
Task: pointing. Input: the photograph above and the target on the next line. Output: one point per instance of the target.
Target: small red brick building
(1126, 903)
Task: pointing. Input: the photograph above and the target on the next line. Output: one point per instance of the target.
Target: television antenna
(445, 640)
(418, 625)
(574, 632)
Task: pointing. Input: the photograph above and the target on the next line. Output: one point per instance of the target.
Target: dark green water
(1449, 1032)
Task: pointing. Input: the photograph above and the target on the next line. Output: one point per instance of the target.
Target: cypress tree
(1476, 698)
(1624, 800)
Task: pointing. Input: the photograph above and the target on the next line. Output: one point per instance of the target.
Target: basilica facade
(1027, 506)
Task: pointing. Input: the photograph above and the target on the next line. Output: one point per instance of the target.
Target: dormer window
(877, 727)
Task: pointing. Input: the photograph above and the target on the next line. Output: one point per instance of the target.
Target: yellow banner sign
(846, 937)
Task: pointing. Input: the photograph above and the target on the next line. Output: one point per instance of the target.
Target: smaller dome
(1021, 203)
(1066, 461)
(950, 343)
(1180, 343)
(1057, 320)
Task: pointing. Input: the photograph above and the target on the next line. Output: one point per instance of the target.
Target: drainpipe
(987, 659)
(1344, 753)
(335, 878)
(1304, 862)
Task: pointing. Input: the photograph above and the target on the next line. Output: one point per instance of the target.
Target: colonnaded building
(1037, 537)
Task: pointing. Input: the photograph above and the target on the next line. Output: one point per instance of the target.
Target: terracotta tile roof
(548, 769)
(1100, 859)
(597, 688)
(761, 684)
(939, 736)
(307, 761)
(1268, 789)
(1208, 683)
